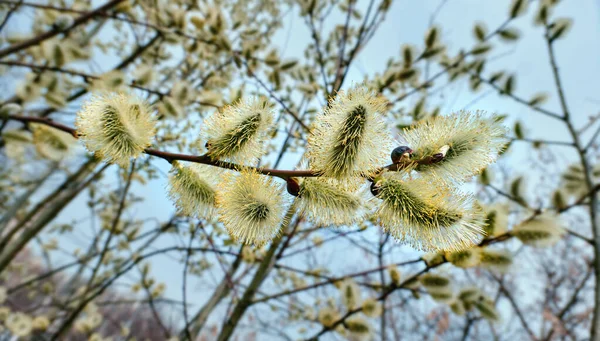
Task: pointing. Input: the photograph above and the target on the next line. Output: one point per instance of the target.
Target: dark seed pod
(293, 187)
(437, 157)
(399, 153)
(375, 188)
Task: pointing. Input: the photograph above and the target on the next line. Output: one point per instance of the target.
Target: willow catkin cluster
(471, 298)
(467, 299)
(116, 127)
(348, 146)
(573, 180)
(19, 324)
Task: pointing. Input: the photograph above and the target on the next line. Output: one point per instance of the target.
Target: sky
(407, 20)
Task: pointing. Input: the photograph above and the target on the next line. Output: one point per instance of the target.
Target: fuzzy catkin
(350, 138)
(116, 127)
(468, 141)
(326, 201)
(51, 143)
(238, 132)
(428, 217)
(193, 189)
(251, 207)
(542, 231)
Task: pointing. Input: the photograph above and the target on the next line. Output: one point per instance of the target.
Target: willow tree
(271, 163)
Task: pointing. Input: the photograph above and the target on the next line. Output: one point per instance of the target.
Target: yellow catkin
(542, 231)
(326, 201)
(499, 260)
(117, 127)
(251, 207)
(358, 327)
(426, 215)
(328, 316)
(237, 133)
(464, 258)
(350, 293)
(372, 308)
(468, 141)
(351, 137)
(192, 189)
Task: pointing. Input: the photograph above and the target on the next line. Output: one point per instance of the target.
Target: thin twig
(56, 30)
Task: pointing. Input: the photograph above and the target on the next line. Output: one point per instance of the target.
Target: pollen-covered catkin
(238, 132)
(350, 138)
(326, 201)
(116, 127)
(427, 216)
(251, 206)
(192, 188)
(465, 142)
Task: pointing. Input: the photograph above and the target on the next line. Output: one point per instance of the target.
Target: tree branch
(56, 31)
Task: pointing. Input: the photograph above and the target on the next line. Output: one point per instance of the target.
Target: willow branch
(41, 219)
(205, 159)
(388, 291)
(517, 98)
(332, 280)
(279, 100)
(87, 77)
(513, 303)
(10, 12)
(56, 31)
(574, 299)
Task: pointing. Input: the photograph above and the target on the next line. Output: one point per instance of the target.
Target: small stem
(56, 31)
